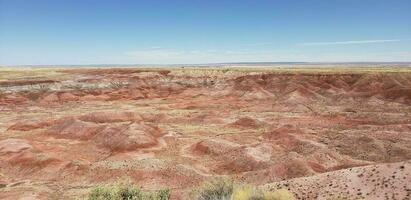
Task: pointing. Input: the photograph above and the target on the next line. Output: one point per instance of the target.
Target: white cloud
(348, 42)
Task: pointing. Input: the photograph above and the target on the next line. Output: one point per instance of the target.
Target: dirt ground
(64, 131)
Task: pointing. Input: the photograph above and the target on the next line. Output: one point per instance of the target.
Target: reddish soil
(320, 135)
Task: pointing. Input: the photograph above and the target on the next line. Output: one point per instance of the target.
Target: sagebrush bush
(126, 191)
(218, 189)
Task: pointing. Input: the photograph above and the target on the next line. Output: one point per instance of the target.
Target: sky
(72, 32)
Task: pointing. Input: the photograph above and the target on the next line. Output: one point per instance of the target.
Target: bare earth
(322, 134)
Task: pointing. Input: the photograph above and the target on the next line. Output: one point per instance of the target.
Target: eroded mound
(73, 128)
(228, 157)
(246, 122)
(127, 137)
(214, 147)
(12, 146)
(19, 155)
(286, 136)
(110, 117)
(237, 161)
(283, 132)
(28, 125)
(371, 148)
(105, 132)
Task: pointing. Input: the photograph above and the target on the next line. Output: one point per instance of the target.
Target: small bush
(163, 194)
(116, 192)
(219, 189)
(126, 191)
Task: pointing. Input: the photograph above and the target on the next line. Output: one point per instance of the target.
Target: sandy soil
(63, 131)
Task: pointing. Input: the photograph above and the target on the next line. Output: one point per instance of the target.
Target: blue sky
(48, 32)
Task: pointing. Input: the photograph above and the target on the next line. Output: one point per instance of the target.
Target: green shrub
(218, 189)
(126, 191)
(163, 194)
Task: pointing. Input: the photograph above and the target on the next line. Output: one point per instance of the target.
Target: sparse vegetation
(118, 84)
(43, 88)
(126, 191)
(92, 89)
(34, 92)
(74, 86)
(95, 87)
(223, 189)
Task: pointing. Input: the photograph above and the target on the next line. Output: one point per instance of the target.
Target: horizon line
(217, 63)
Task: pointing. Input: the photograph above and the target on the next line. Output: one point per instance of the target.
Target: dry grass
(280, 194)
(252, 193)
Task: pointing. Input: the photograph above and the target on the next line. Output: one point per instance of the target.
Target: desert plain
(321, 133)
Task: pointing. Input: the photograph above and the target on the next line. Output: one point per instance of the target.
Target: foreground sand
(319, 133)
